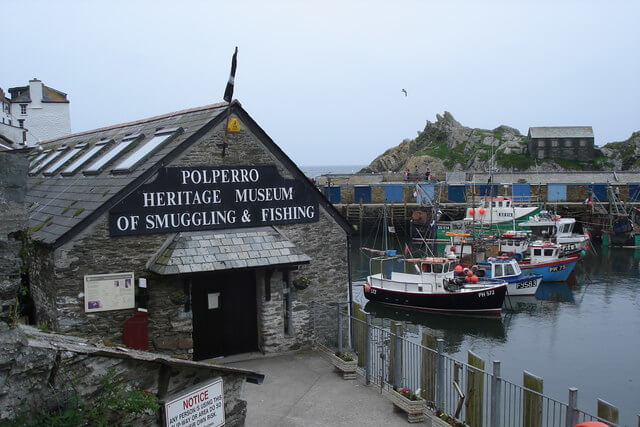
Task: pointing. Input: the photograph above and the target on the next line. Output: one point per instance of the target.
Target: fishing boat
(547, 259)
(548, 226)
(507, 269)
(430, 284)
(500, 213)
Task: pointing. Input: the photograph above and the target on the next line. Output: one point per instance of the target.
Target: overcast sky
(324, 78)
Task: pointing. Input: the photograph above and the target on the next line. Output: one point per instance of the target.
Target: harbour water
(584, 334)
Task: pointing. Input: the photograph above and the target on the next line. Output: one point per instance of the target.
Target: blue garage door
(425, 193)
(457, 193)
(556, 192)
(521, 192)
(599, 192)
(332, 193)
(362, 194)
(634, 192)
(393, 194)
(488, 189)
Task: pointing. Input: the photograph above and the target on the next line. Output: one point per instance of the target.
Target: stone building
(561, 142)
(191, 240)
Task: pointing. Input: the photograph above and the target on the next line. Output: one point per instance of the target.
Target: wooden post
(607, 411)
(428, 371)
(475, 390)
(392, 353)
(532, 401)
(397, 365)
(359, 333)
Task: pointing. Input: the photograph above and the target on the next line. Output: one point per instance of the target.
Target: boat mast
(386, 229)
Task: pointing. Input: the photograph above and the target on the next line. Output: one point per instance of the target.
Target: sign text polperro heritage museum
(206, 198)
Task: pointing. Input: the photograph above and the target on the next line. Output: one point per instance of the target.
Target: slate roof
(197, 251)
(62, 206)
(49, 94)
(59, 203)
(561, 132)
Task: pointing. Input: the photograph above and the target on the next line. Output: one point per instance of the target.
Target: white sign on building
(103, 292)
(200, 406)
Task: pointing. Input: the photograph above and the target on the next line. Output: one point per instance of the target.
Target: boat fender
(367, 287)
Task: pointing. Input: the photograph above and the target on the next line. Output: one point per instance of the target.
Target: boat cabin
(499, 267)
(543, 251)
(496, 202)
(514, 242)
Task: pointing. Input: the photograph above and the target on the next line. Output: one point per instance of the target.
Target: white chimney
(35, 92)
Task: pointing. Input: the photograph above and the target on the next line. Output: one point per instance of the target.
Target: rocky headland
(446, 145)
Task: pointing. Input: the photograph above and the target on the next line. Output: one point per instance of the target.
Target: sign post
(202, 406)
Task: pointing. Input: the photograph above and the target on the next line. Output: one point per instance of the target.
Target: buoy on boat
(458, 269)
(482, 211)
(474, 279)
(583, 253)
(367, 287)
(453, 248)
(469, 273)
(472, 212)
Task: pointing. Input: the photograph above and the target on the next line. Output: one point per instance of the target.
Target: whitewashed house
(34, 113)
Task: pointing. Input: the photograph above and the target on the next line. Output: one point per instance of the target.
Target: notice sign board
(207, 198)
(202, 405)
(104, 292)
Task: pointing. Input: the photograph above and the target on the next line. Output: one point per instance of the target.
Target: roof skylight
(64, 159)
(146, 149)
(47, 160)
(110, 155)
(38, 158)
(80, 161)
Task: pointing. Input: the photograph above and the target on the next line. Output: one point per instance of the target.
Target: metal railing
(466, 390)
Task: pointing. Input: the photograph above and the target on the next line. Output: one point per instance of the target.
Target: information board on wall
(104, 292)
(207, 198)
(202, 405)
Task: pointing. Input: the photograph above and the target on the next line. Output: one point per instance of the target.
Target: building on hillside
(34, 113)
(11, 135)
(561, 142)
(170, 234)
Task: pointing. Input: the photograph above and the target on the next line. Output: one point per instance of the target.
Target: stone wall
(57, 282)
(13, 175)
(51, 366)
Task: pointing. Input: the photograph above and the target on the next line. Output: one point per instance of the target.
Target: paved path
(302, 389)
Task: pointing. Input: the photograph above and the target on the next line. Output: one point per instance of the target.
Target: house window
(583, 143)
(541, 154)
(23, 108)
(554, 143)
(567, 143)
(21, 122)
(541, 143)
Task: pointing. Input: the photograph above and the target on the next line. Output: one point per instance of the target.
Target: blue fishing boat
(546, 259)
(507, 269)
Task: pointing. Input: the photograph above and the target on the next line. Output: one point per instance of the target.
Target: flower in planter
(409, 394)
(450, 420)
(344, 356)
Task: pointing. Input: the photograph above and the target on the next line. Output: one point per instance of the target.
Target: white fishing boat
(548, 226)
(499, 212)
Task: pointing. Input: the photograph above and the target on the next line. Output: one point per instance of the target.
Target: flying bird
(404, 91)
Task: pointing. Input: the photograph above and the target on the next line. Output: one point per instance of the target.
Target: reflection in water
(559, 292)
(453, 329)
